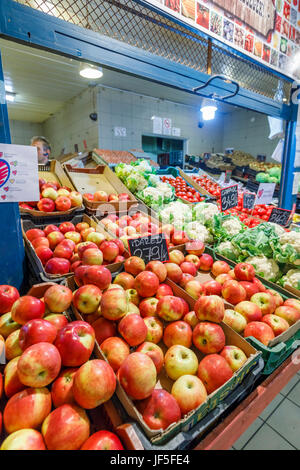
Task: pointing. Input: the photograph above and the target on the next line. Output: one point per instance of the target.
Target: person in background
(43, 149)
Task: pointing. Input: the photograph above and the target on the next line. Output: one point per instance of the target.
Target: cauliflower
(291, 238)
(228, 250)
(151, 196)
(278, 229)
(142, 166)
(232, 226)
(176, 213)
(166, 190)
(197, 231)
(204, 211)
(135, 182)
(292, 279)
(264, 267)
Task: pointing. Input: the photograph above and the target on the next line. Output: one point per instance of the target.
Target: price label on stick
(249, 200)
(229, 197)
(153, 247)
(280, 216)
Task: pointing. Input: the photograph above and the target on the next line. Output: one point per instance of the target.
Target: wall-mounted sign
(176, 131)
(120, 131)
(19, 179)
(167, 126)
(265, 193)
(267, 30)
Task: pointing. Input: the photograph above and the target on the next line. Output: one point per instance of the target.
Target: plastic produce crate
(36, 269)
(190, 437)
(283, 345)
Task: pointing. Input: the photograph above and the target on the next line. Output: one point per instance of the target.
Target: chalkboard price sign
(151, 248)
(280, 216)
(229, 197)
(249, 200)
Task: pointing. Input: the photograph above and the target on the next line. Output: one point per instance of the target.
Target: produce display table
(223, 436)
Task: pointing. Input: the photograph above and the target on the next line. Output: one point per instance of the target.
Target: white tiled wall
(72, 125)
(248, 131)
(134, 112)
(22, 131)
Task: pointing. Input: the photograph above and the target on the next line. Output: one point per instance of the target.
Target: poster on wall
(267, 30)
(19, 179)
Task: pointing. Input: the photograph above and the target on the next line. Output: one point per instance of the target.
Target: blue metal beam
(12, 256)
(35, 28)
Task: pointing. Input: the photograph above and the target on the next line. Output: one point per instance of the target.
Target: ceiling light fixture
(208, 110)
(90, 71)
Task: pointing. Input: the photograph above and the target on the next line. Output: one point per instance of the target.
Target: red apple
(191, 319)
(7, 325)
(178, 332)
(94, 383)
(278, 324)
(110, 250)
(115, 350)
(158, 268)
(36, 331)
(24, 439)
(212, 288)
(41, 241)
(27, 409)
(81, 247)
(12, 383)
(81, 226)
(259, 284)
(12, 346)
(103, 329)
(8, 296)
(103, 440)
(155, 329)
(98, 276)
(57, 266)
(208, 337)
(54, 238)
(222, 278)
(214, 371)
(39, 365)
(146, 284)
(249, 310)
(66, 428)
(206, 262)
(170, 308)
(58, 298)
(92, 256)
(235, 320)
(189, 392)
(179, 237)
(220, 267)
(154, 352)
(87, 298)
(33, 233)
(290, 314)
(114, 304)
(75, 343)
(265, 301)
(27, 308)
(234, 356)
(161, 410)
(163, 290)
(260, 331)
(100, 196)
(278, 299)
(294, 303)
(137, 375)
(188, 268)
(233, 292)
(244, 272)
(195, 247)
(176, 256)
(195, 289)
(125, 280)
(133, 329)
(250, 288)
(174, 272)
(46, 205)
(134, 265)
(194, 259)
(57, 319)
(185, 279)
(148, 307)
(210, 308)
(61, 388)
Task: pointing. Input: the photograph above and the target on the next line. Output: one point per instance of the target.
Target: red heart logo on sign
(15, 172)
(260, 193)
(6, 188)
(3, 197)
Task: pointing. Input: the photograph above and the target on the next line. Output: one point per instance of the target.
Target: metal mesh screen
(129, 22)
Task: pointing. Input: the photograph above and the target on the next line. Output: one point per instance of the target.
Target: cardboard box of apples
(172, 366)
(270, 320)
(56, 250)
(52, 391)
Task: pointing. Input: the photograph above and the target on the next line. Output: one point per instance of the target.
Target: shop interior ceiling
(44, 82)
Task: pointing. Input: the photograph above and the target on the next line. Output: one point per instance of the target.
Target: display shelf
(223, 436)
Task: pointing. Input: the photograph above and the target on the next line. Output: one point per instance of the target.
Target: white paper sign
(157, 125)
(19, 178)
(167, 126)
(176, 131)
(265, 193)
(120, 131)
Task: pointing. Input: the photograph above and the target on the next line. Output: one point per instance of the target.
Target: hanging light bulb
(90, 71)
(208, 110)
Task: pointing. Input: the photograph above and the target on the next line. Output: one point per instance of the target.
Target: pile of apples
(256, 311)
(103, 196)
(143, 329)
(50, 379)
(140, 224)
(63, 248)
(53, 198)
